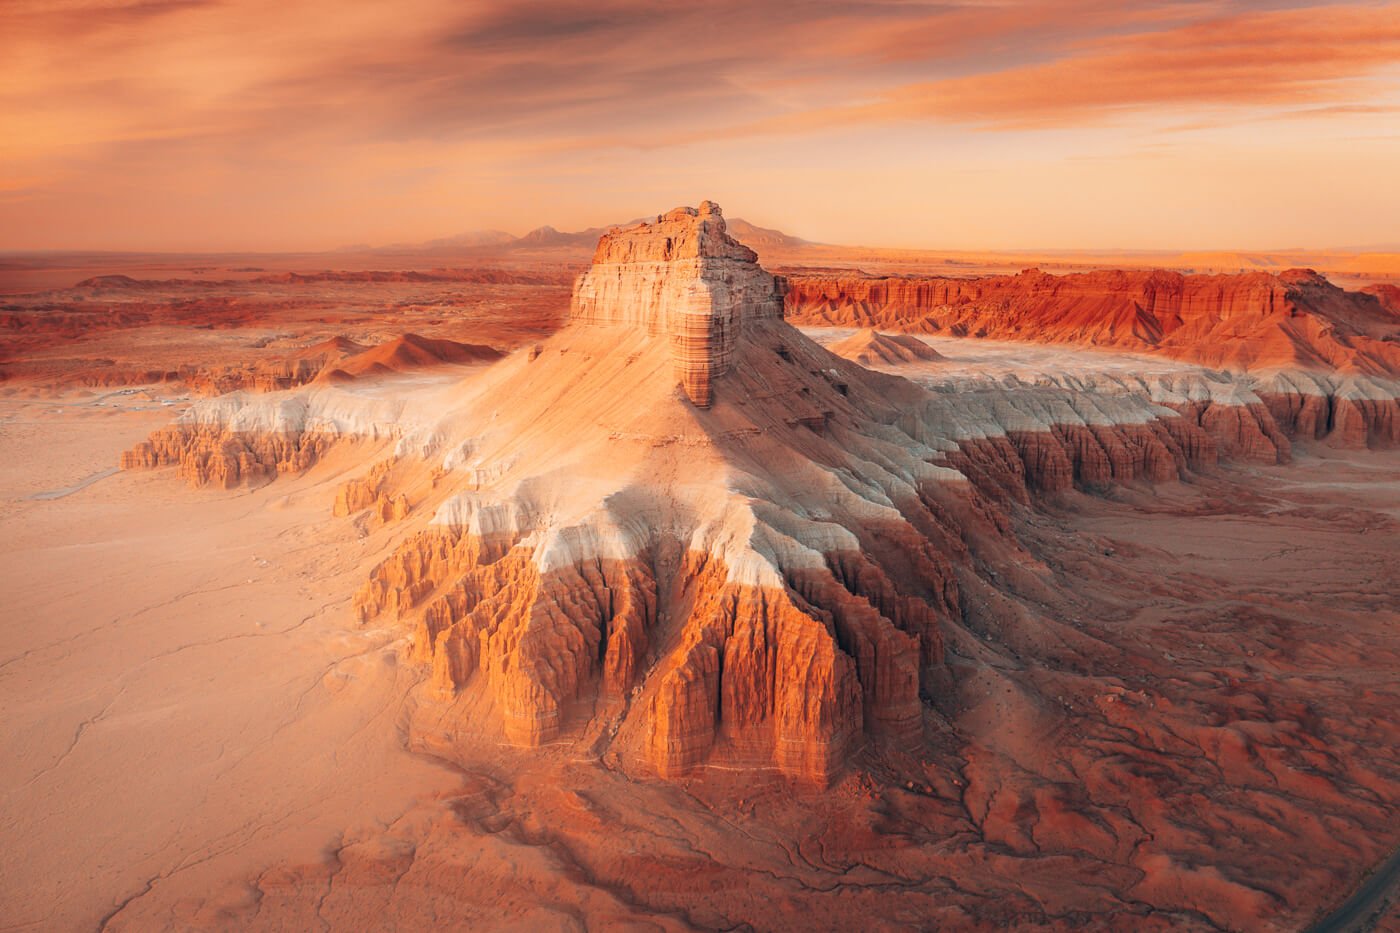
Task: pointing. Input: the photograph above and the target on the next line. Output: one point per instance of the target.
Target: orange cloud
(1275, 58)
(145, 119)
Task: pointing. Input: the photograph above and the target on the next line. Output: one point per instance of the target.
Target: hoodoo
(683, 278)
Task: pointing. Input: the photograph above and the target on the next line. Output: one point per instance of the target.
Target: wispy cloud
(114, 89)
(1277, 59)
(84, 72)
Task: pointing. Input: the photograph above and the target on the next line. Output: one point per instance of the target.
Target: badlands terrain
(607, 579)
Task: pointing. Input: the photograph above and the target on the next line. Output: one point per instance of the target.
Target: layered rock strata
(212, 456)
(373, 492)
(726, 589)
(247, 438)
(1324, 362)
(682, 278)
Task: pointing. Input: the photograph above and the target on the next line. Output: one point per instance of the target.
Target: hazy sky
(275, 124)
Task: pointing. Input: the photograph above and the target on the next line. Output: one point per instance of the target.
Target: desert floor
(198, 734)
(184, 696)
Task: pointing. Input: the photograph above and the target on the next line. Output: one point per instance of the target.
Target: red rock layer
(1239, 432)
(791, 677)
(210, 456)
(1388, 295)
(1260, 432)
(538, 640)
(1340, 420)
(1245, 322)
(1090, 457)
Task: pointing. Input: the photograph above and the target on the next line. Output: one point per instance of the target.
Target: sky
(199, 125)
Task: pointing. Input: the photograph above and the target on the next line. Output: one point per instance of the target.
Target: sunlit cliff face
(185, 124)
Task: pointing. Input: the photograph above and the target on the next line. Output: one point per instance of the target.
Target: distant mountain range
(546, 237)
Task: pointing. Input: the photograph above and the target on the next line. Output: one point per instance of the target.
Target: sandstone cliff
(1327, 356)
(683, 278)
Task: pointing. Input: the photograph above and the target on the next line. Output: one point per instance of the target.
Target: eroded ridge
(684, 586)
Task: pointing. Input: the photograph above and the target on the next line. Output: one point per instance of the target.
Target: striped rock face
(685, 278)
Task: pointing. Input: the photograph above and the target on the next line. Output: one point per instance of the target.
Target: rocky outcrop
(762, 673)
(1279, 329)
(541, 642)
(790, 675)
(1388, 295)
(683, 278)
(371, 492)
(211, 456)
(249, 438)
(1342, 410)
(1257, 418)
(1249, 321)
(1089, 457)
(789, 615)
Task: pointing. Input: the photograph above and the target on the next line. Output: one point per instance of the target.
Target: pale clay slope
(590, 460)
(596, 460)
(602, 458)
(974, 362)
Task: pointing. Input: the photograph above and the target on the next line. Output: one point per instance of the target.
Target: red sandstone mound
(1248, 322)
(1388, 295)
(405, 354)
(332, 348)
(296, 368)
(869, 347)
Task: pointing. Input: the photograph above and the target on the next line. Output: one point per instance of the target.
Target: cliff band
(682, 278)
